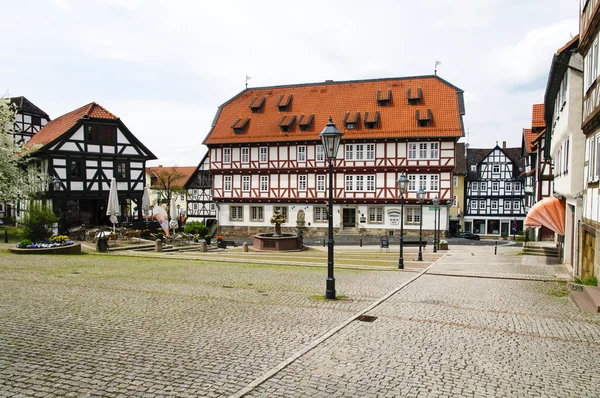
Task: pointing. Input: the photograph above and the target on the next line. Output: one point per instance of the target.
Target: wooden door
(587, 255)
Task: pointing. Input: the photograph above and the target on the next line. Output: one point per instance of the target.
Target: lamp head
(421, 195)
(331, 138)
(436, 201)
(402, 184)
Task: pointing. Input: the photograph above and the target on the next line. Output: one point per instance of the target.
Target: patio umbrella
(174, 215)
(146, 202)
(113, 209)
(549, 212)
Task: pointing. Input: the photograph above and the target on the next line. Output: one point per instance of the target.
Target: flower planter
(68, 249)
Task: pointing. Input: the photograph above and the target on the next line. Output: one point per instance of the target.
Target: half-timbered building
(200, 205)
(529, 156)
(495, 196)
(266, 155)
(82, 151)
(28, 121)
(562, 104)
(457, 210)
(167, 184)
(589, 38)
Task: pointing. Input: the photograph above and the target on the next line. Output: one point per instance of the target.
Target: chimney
(328, 81)
(503, 144)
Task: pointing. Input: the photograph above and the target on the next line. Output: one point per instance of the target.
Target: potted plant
(207, 239)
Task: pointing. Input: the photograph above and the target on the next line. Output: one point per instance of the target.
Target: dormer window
(101, 133)
(284, 105)
(286, 123)
(239, 125)
(383, 98)
(414, 98)
(371, 121)
(351, 120)
(257, 104)
(425, 119)
(305, 122)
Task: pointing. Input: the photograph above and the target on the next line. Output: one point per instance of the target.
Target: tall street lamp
(331, 137)
(402, 186)
(436, 206)
(421, 197)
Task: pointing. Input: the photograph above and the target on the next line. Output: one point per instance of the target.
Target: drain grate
(366, 318)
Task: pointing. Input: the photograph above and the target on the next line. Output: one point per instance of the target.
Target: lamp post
(330, 137)
(436, 206)
(56, 184)
(421, 197)
(178, 216)
(402, 186)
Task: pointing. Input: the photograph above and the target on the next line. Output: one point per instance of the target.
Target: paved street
(98, 325)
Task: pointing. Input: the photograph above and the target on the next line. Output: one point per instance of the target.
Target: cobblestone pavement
(97, 325)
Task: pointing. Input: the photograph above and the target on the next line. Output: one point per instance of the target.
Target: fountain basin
(272, 242)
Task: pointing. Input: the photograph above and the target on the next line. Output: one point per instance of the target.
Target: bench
(414, 243)
(224, 243)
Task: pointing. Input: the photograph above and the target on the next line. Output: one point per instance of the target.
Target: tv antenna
(436, 65)
(247, 78)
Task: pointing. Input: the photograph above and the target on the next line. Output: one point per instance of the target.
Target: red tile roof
(538, 136)
(335, 99)
(62, 124)
(185, 171)
(528, 136)
(537, 116)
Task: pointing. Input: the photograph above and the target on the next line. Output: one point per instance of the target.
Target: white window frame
(321, 183)
(245, 155)
(508, 186)
(264, 183)
(517, 186)
(434, 150)
(302, 183)
(370, 183)
(495, 186)
(483, 186)
(516, 205)
(474, 186)
(236, 213)
(320, 214)
(494, 204)
(349, 152)
(434, 183)
(257, 213)
(359, 152)
(356, 183)
(370, 152)
(507, 205)
(302, 153)
(482, 204)
(473, 204)
(597, 159)
(226, 155)
(320, 153)
(412, 150)
(413, 216)
(263, 154)
(245, 183)
(227, 183)
(375, 215)
(494, 167)
(412, 183)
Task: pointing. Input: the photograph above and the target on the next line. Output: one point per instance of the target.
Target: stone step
(593, 292)
(583, 301)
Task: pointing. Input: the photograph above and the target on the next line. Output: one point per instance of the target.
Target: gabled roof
(538, 136)
(537, 116)
(185, 171)
(460, 158)
(397, 117)
(477, 155)
(64, 123)
(27, 106)
(528, 137)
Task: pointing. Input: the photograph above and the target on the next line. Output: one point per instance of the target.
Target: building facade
(563, 133)
(82, 151)
(167, 184)
(457, 210)
(266, 155)
(589, 228)
(495, 195)
(200, 205)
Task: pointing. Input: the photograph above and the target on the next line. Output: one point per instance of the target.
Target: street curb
(266, 376)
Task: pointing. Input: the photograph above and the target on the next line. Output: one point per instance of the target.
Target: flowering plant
(61, 239)
(42, 245)
(277, 218)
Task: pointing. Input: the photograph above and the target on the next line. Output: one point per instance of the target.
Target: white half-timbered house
(589, 44)
(200, 205)
(28, 121)
(167, 184)
(83, 150)
(266, 155)
(562, 104)
(495, 196)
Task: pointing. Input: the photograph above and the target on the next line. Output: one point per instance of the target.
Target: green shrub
(195, 227)
(24, 243)
(593, 281)
(37, 224)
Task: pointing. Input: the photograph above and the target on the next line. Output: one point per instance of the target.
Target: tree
(168, 183)
(20, 177)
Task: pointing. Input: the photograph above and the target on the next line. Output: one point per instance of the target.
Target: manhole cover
(366, 318)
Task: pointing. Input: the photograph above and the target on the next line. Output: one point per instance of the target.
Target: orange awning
(548, 212)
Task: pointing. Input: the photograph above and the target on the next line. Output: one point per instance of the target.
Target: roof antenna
(247, 78)
(436, 65)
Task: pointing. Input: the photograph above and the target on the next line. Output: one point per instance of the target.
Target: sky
(164, 67)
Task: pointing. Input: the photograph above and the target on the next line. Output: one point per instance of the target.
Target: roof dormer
(239, 125)
(304, 123)
(351, 120)
(424, 120)
(383, 99)
(256, 104)
(286, 123)
(414, 100)
(371, 123)
(284, 105)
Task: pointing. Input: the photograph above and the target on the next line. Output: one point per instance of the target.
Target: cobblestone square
(120, 325)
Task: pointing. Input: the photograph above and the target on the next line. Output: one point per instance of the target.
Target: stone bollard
(5, 236)
(245, 246)
(158, 245)
(203, 247)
